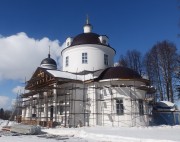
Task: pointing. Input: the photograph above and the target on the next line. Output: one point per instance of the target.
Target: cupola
(49, 63)
(87, 27)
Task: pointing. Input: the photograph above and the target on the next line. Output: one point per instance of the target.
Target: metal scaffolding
(74, 103)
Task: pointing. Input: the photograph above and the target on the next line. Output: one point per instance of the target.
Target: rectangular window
(119, 107)
(84, 58)
(105, 59)
(61, 110)
(141, 108)
(67, 61)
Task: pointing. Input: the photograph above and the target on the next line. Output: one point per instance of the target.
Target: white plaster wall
(92, 96)
(74, 104)
(104, 112)
(95, 57)
(123, 91)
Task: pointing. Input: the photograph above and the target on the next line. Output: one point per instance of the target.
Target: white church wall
(92, 95)
(79, 108)
(95, 57)
(123, 88)
(27, 112)
(74, 103)
(131, 116)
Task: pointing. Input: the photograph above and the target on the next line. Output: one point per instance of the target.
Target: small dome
(86, 38)
(49, 63)
(119, 72)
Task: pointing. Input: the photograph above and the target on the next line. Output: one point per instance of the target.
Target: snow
(6, 122)
(123, 134)
(165, 106)
(101, 134)
(166, 103)
(67, 75)
(62, 74)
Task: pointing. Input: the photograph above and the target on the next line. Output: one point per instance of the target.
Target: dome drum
(73, 57)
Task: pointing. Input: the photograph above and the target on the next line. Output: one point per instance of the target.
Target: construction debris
(26, 129)
(57, 137)
(8, 133)
(6, 128)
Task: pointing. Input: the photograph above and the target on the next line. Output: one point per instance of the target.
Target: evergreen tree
(1, 113)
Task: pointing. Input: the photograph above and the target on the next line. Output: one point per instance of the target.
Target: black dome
(48, 61)
(86, 38)
(119, 72)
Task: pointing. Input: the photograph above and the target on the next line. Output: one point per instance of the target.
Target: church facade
(89, 90)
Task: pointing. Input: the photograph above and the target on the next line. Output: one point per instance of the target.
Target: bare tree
(123, 61)
(133, 60)
(161, 62)
(178, 77)
(1, 113)
(153, 71)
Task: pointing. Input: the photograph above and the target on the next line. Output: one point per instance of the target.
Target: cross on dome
(49, 55)
(87, 19)
(87, 26)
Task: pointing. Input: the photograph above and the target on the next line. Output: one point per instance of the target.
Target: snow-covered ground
(101, 134)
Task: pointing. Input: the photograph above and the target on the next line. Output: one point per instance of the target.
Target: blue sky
(129, 24)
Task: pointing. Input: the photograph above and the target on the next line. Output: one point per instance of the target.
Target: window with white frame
(141, 108)
(105, 59)
(67, 61)
(119, 107)
(84, 58)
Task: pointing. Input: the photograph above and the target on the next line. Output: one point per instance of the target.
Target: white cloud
(18, 90)
(4, 100)
(20, 55)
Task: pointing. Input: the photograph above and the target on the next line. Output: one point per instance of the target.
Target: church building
(89, 90)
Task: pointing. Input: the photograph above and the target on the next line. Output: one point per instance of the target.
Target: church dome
(49, 63)
(84, 50)
(120, 73)
(86, 38)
